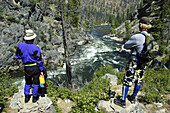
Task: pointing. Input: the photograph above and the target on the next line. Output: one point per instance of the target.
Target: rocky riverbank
(18, 16)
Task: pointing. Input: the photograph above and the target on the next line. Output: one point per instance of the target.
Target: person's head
(29, 36)
(144, 24)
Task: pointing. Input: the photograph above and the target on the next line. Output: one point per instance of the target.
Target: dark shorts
(32, 74)
(134, 73)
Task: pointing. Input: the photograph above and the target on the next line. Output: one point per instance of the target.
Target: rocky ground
(138, 107)
(44, 104)
(18, 105)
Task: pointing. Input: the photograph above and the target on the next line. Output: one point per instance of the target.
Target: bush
(163, 49)
(155, 84)
(120, 76)
(166, 58)
(104, 70)
(87, 98)
(120, 34)
(7, 89)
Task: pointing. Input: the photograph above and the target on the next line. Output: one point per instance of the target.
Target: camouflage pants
(134, 73)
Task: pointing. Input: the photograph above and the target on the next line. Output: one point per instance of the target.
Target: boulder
(110, 107)
(113, 37)
(164, 110)
(65, 105)
(104, 105)
(113, 79)
(82, 42)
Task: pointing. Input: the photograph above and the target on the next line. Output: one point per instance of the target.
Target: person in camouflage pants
(136, 66)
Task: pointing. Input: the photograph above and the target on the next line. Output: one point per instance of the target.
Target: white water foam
(91, 51)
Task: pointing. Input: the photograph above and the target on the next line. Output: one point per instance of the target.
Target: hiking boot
(131, 98)
(27, 98)
(120, 102)
(35, 99)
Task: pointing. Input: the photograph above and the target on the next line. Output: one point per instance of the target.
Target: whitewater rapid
(88, 58)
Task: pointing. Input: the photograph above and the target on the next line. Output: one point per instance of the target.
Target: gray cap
(144, 20)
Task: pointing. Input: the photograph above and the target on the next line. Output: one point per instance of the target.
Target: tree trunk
(66, 51)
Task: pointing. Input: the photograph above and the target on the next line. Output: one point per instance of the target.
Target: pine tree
(161, 9)
(73, 13)
(128, 29)
(111, 19)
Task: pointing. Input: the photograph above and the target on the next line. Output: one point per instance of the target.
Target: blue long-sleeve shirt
(29, 53)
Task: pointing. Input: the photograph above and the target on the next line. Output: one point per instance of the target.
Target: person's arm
(39, 60)
(131, 43)
(18, 53)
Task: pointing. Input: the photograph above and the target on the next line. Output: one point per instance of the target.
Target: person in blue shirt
(33, 66)
(136, 66)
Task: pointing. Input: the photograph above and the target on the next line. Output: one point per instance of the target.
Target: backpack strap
(143, 43)
(142, 34)
(144, 47)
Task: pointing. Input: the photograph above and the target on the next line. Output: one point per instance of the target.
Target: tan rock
(65, 105)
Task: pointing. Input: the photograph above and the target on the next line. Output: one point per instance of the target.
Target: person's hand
(42, 73)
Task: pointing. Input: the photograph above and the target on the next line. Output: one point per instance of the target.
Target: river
(88, 58)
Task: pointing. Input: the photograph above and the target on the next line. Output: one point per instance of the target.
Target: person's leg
(35, 93)
(27, 85)
(127, 82)
(35, 84)
(132, 97)
(122, 100)
(125, 90)
(139, 72)
(136, 90)
(27, 89)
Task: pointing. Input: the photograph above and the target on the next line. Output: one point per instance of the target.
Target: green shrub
(120, 34)
(87, 98)
(120, 76)
(113, 31)
(166, 58)
(7, 89)
(156, 83)
(163, 49)
(104, 70)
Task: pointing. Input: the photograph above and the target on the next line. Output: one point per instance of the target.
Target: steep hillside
(99, 11)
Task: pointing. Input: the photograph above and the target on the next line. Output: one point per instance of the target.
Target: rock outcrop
(110, 107)
(44, 104)
(138, 107)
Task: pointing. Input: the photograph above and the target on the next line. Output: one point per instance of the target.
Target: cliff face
(18, 15)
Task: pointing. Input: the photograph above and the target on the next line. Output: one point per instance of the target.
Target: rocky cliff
(18, 15)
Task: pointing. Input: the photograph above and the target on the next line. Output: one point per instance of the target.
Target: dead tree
(66, 51)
